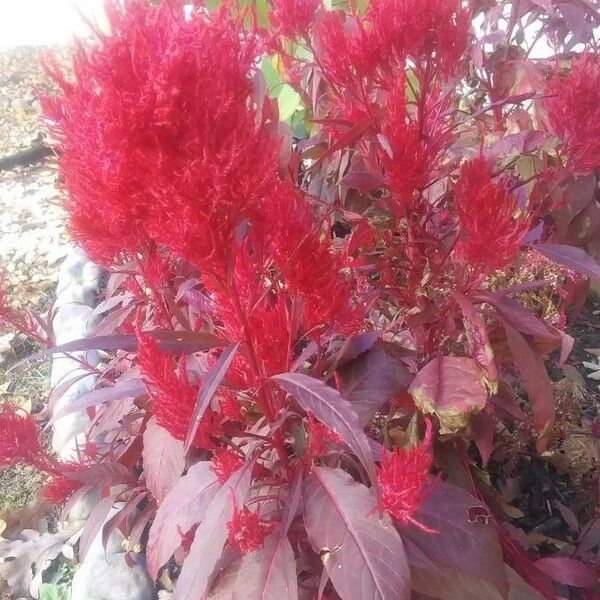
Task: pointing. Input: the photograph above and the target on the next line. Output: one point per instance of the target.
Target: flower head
(173, 396)
(573, 110)
(293, 18)
(403, 478)
(158, 134)
(319, 437)
(20, 440)
(60, 488)
(223, 464)
(246, 531)
(490, 233)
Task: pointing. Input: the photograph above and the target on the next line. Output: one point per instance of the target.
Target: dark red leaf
(183, 507)
(207, 390)
(466, 546)
(575, 259)
(362, 553)
(332, 409)
(163, 459)
(530, 364)
(372, 379)
(483, 428)
(516, 315)
(168, 341)
(568, 571)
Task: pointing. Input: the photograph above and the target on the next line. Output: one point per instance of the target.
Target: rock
(111, 578)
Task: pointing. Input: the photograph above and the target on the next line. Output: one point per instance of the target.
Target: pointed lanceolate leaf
(163, 459)
(530, 364)
(568, 571)
(208, 388)
(183, 507)
(463, 542)
(210, 537)
(575, 259)
(362, 553)
(513, 313)
(332, 409)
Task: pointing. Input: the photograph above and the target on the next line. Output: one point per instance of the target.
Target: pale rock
(111, 578)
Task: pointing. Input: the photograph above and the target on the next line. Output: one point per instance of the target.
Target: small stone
(111, 578)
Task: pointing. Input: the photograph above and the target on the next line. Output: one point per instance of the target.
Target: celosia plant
(321, 307)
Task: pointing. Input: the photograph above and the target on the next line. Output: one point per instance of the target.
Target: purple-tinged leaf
(568, 571)
(477, 337)
(372, 379)
(104, 474)
(567, 343)
(355, 345)
(513, 313)
(163, 459)
(575, 259)
(207, 390)
(111, 322)
(362, 181)
(268, 573)
(124, 388)
(466, 545)
(120, 516)
(362, 553)
(211, 536)
(183, 507)
(168, 341)
(185, 287)
(333, 410)
(483, 428)
(93, 525)
(530, 364)
(452, 388)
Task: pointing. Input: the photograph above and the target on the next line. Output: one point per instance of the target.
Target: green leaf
(289, 102)
(272, 79)
(53, 591)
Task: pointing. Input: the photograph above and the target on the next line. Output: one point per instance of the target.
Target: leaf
(477, 336)
(268, 573)
(516, 315)
(183, 507)
(467, 546)
(483, 428)
(575, 259)
(451, 388)
(332, 409)
(163, 459)
(362, 181)
(567, 571)
(530, 364)
(168, 341)
(371, 380)
(363, 554)
(289, 101)
(122, 389)
(346, 140)
(93, 525)
(24, 559)
(207, 390)
(211, 536)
